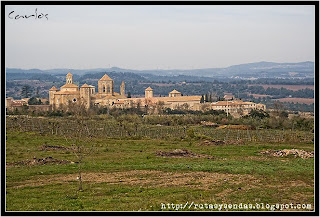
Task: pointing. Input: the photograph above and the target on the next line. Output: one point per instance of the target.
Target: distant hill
(31, 76)
(245, 71)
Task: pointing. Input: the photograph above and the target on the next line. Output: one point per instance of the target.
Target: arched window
(108, 89)
(104, 89)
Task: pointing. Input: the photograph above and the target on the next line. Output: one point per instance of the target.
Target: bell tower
(122, 89)
(148, 92)
(105, 85)
(69, 79)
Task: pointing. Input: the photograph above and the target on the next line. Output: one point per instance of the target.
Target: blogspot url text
(236, 207)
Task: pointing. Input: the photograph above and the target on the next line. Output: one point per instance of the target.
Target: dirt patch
(54, 148)
(209, 124)
(241, 127)
(221, 142)
(237, 127)
(179, 153)
(298, 183)
(211, 142)
(36, 161)
(155, 178)
(286, 152)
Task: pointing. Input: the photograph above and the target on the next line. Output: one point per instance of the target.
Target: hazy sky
(158, 37)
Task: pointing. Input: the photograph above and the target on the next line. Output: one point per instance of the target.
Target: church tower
(52, 91)
(122, 89)
(69, 79)
(85, 95)
(148, 92)
(106, 86)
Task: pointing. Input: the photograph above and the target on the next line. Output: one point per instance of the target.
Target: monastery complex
(106, 97)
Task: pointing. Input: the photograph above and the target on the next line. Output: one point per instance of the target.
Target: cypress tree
(202, 99)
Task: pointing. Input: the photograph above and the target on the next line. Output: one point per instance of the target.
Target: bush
(258, 114)
(34, 101)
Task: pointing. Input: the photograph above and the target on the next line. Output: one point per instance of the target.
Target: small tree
(34, 101)
(81, 145)
(37, 92)
(210, 98)
(129, 95)
(159, 107)
(202, 99)
(80, 135)
(258, 114)
(185, 106)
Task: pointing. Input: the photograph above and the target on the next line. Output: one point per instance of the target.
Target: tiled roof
(105, 78)
(175, 91)
(168, 99)
(149, 88)
(53, 88)
(109, 97)
(17, 103)
(85, 85)
(230, 103)
(63, 92)
(69, 86)
(119, 102)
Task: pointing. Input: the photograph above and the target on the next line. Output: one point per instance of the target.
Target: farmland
(297, 100)
(286, 86)
(125, 172)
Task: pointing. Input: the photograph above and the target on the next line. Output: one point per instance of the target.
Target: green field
(123, 172)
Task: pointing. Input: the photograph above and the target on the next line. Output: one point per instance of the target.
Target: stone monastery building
(106, 97)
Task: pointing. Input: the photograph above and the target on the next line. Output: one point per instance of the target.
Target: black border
(159, 213)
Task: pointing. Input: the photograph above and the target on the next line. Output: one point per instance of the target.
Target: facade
(21, 104)
(237, 106)
(106, 97)
(85, 95)
(15, 104)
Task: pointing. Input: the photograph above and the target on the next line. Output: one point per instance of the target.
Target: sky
(157, 36)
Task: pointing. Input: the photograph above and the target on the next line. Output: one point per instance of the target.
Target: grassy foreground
(127, 175)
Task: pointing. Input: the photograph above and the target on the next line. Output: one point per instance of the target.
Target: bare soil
(36, 161)
(178, 153)
(54, 148)
(237, 127)
(155, 178)
(221, 142)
